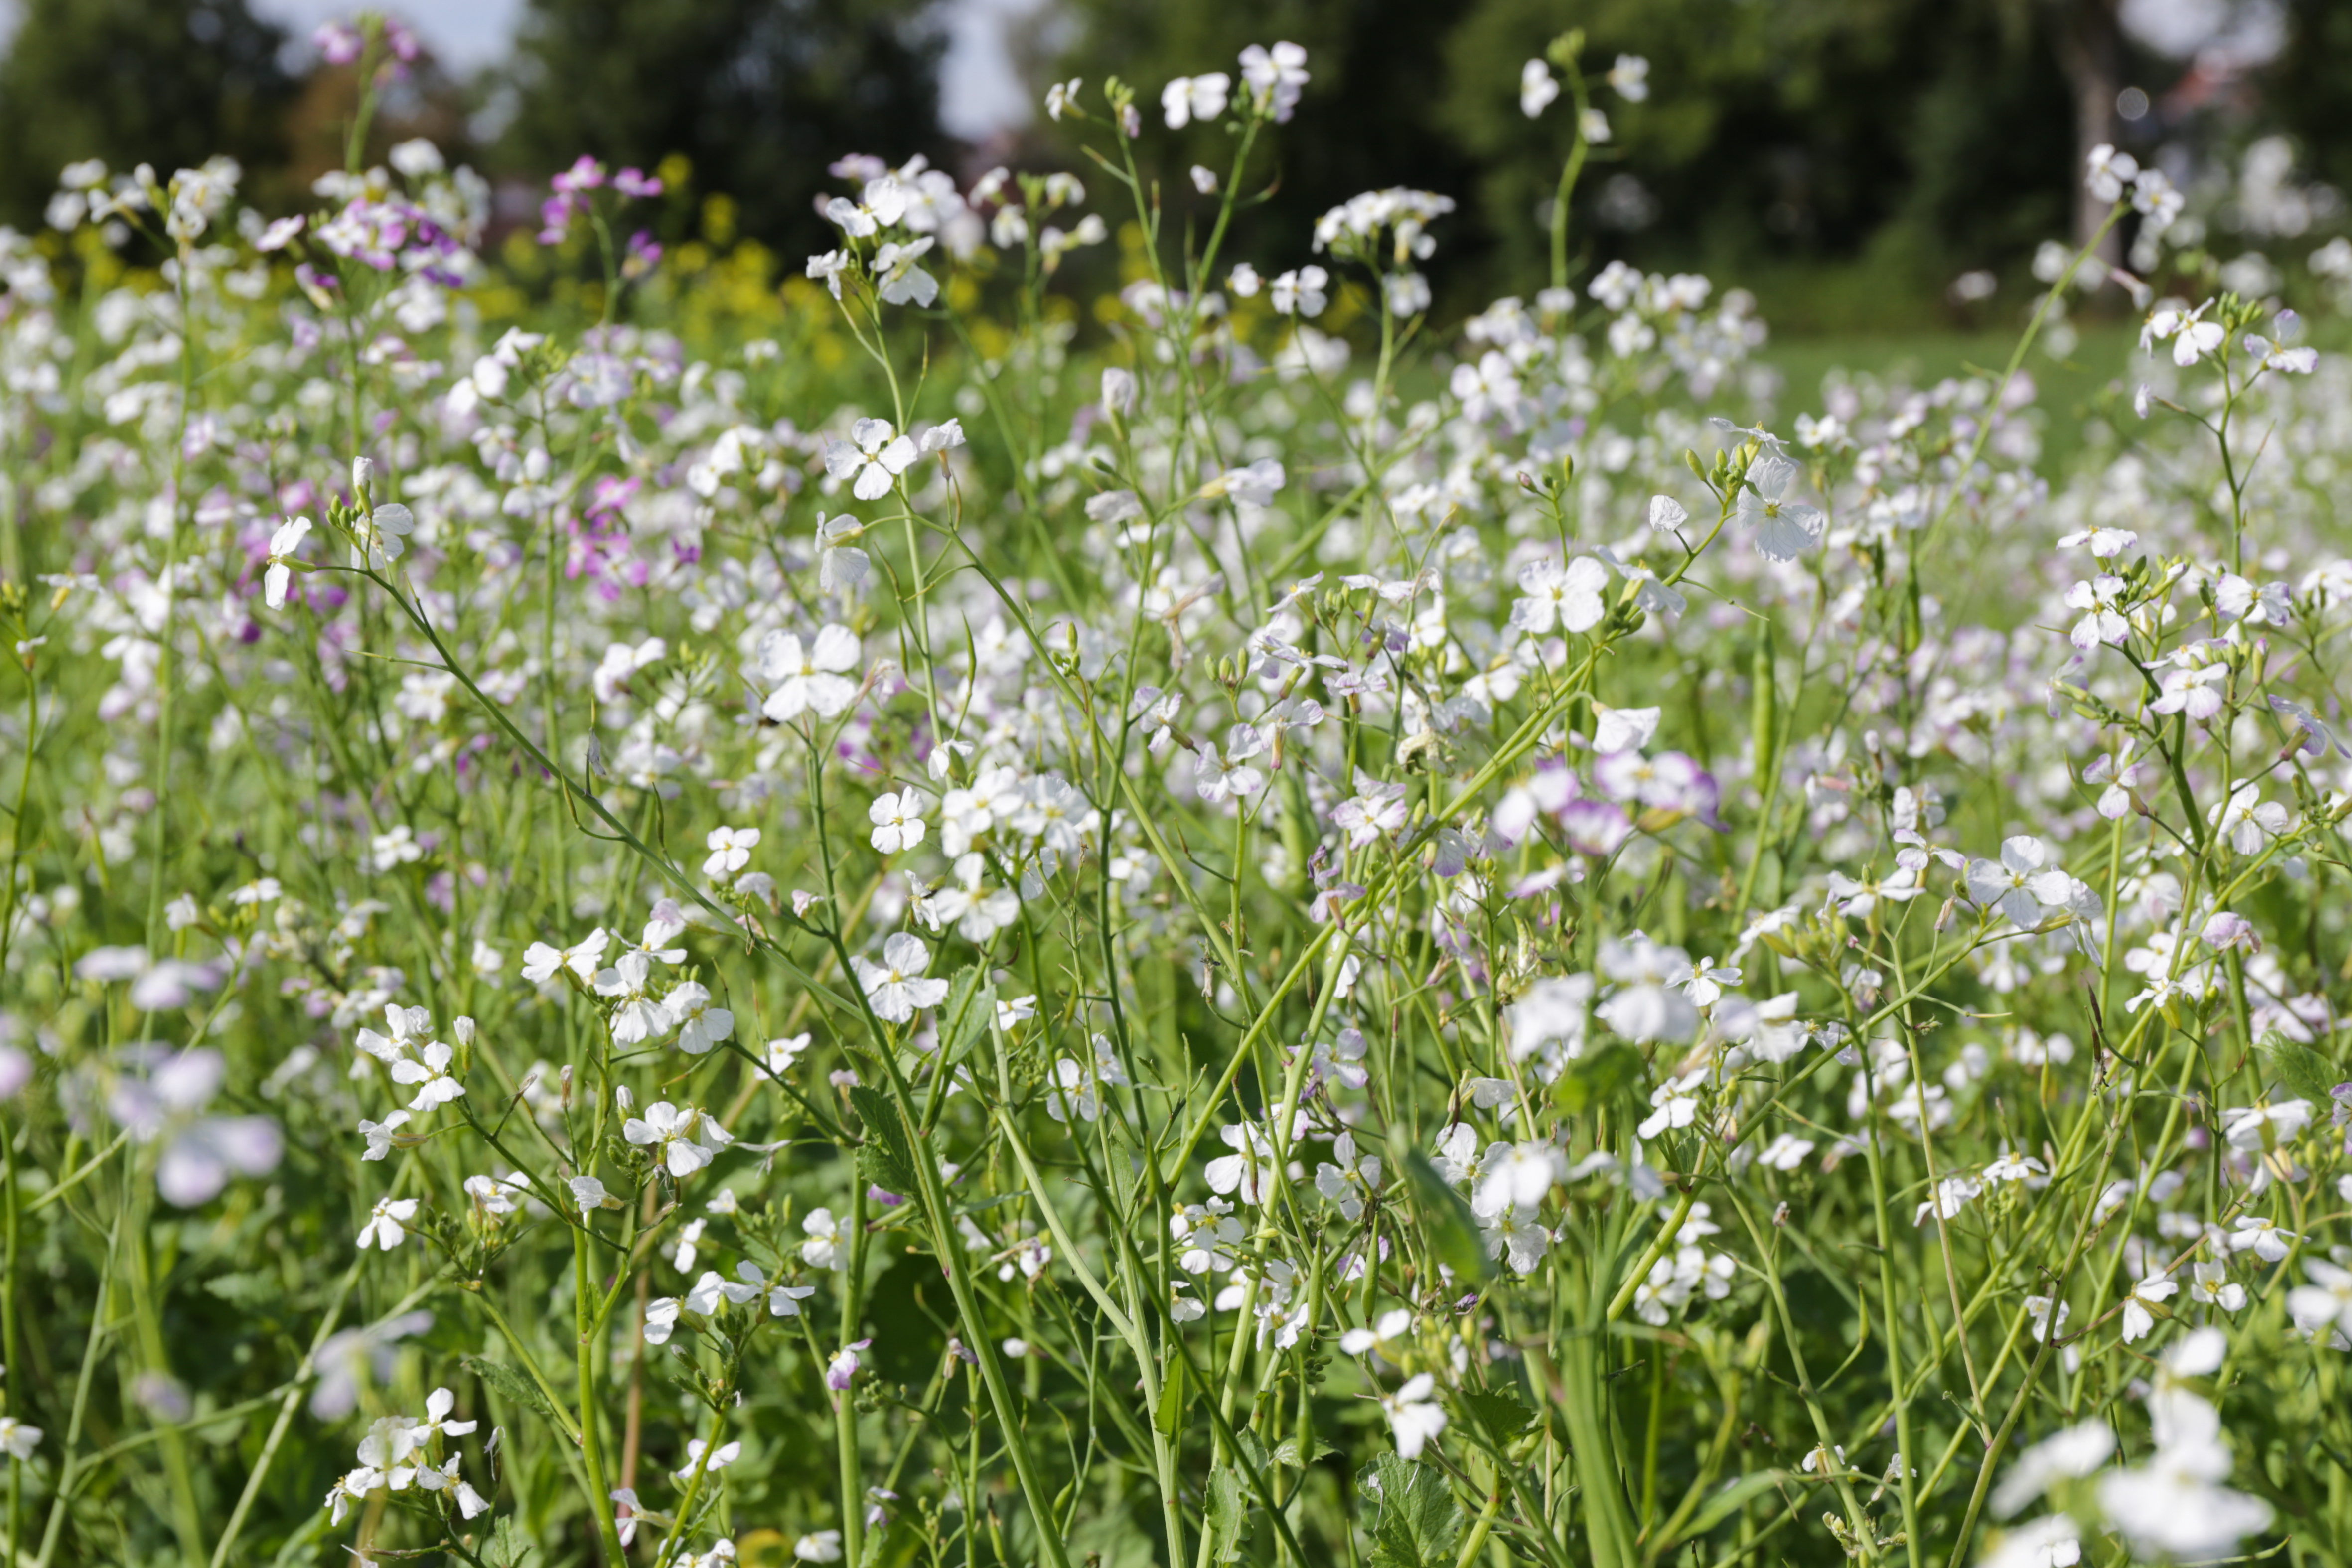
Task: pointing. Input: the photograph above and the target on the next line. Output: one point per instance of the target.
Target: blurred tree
(1369, 119)
(167, 82)
(760, 94)
(1919, 136)
(2310, 85)
(1908, 137)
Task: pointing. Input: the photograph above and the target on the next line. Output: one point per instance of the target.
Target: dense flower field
(1315, 935)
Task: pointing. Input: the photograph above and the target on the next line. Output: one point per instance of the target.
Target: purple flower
(1595, 827)
(585, 175)
(636, 182)
(844, 1367)
(337, 43)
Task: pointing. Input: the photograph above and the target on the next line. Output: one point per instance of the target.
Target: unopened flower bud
(362, 471)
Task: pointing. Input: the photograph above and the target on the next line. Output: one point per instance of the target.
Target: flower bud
(362, 471)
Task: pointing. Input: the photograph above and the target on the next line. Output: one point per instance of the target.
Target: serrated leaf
(508, 1546)
(1598, 1077)
(1447, 1221)
(1499, 1410)
(2307, 1075)
(885, 1159)
(1412, 1518)
(1286, 1453)
(509, 1384)
(1227, 1514)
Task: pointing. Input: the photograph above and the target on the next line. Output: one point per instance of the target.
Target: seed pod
(1764, 705)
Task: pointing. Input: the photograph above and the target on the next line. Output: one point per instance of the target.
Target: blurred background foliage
(1846, 160)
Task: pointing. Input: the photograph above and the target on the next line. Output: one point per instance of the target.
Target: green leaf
(1411, 1516)
(1447, 1221)
(1728, 1500)
(508, 1546)
(247, 1290)
(1286, 1453)
(885, 1159)
(1227, 1514)
(509, 1384)
(1598, 1077)
(2307, 1075)
(1168, 1416)
(971, 1007)
(1499, 1410)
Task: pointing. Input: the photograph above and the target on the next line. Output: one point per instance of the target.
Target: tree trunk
(2090, 51)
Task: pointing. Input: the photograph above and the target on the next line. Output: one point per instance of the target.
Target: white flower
(437, 1405)
(829, 266)
(872, 459)
(2138, 1319)
(380, 1134)
(1704, 982)
(386, 534)
(2262, 1237)
(384, 1222)
(2255, 1129)
(702, 1456)
(1356, 1342)
(2246, 819)
(2210, 1285)
(710, 1289)
(896, 989)
(1676, 1104)
(1188, 98)
(1243, 281)
(897, 818)
(900, 282)
(541, 962)
(1248, 1172)
(672, 1135)
(1413, 1416)
(827, 1246)
(430, 1072)
(1069, 1091)
(661, 1319)
(1538, 87)
(2326, 1302)
(731, 851)
(2077, 1451)
(699, 1025)
(1631, 76)
(1300, 292)
(820, 1546)
(1785, 530)
(16, 1439)
(806, 679)
(2107, 172)
(1226, 777)
(1275, 78)
(637, 1016)
(282, 545)
(1564, 595)
(1666, 514)
(1515, 1176)
(1350, 1179)
(589, 1193)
